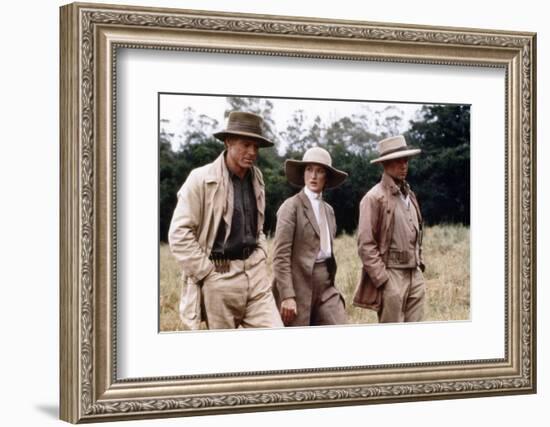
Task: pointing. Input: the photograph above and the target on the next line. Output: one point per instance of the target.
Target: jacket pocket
(366, 294)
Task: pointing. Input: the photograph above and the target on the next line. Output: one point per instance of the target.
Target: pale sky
(172, 107)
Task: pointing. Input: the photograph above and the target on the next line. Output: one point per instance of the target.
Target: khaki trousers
(403, 296)
(241, 297)
(327, 306)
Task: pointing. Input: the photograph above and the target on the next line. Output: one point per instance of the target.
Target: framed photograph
(349, 131)
(151, 97)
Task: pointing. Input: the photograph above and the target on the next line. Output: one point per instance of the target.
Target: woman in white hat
(304, 266)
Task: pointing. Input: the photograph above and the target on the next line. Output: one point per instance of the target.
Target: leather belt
(243, 254)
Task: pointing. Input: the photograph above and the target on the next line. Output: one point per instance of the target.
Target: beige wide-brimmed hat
(294, 169)
(394, 148)
(244, 124)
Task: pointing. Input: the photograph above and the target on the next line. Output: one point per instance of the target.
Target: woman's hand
(288, 310)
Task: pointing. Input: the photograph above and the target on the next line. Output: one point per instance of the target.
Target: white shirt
(315, 199)
(406, 199)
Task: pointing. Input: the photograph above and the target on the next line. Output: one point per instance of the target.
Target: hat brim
(397, 155)
(294, 171)
(262, 142)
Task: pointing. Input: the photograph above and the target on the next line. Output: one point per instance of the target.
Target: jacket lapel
(211, 190)
(392, 192)
(417, 208)
(259, 192)
(214, 193)
(331, 221)
(308, 210)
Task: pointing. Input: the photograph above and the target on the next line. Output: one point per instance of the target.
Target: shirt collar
(312, 195)
(247, 176)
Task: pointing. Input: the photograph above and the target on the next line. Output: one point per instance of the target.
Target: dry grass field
(447, 257)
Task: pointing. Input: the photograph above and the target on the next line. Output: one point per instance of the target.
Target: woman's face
(315, 177)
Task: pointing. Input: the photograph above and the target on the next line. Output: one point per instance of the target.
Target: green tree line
(440, 175)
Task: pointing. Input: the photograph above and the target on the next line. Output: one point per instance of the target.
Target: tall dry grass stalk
(446, 253)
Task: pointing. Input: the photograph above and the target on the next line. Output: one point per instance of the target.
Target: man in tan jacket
(389, 241)
(216, 235)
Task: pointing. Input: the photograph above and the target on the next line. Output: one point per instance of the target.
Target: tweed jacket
(374, 235)
(295, 248)
(204, 200)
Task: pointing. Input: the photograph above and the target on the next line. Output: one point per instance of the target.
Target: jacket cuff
(381, 279)
(203, 274)
(287, 292)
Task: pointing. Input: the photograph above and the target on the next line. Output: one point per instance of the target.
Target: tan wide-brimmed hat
(294, 169)
(394, 148)
(244, 124)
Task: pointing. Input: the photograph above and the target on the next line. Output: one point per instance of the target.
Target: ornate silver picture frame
(92, 37)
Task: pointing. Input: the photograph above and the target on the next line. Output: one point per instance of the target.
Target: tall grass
(446, 252)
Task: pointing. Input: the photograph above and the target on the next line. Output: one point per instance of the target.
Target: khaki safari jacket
(295, 248)
(205, 198)
(374, 235)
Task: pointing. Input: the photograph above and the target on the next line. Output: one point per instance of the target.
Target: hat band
(242, 127)
(322, 162)
(395, 150)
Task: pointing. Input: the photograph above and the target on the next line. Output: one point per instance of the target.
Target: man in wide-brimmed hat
(389, 240)
(216, 235)
(304, 266)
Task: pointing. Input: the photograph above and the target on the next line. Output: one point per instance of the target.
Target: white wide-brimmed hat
(245, 124)
(294, 169)
(394, 148)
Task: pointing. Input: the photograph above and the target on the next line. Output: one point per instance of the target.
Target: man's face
(241, 151)
(397, 168)
(315, 177)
